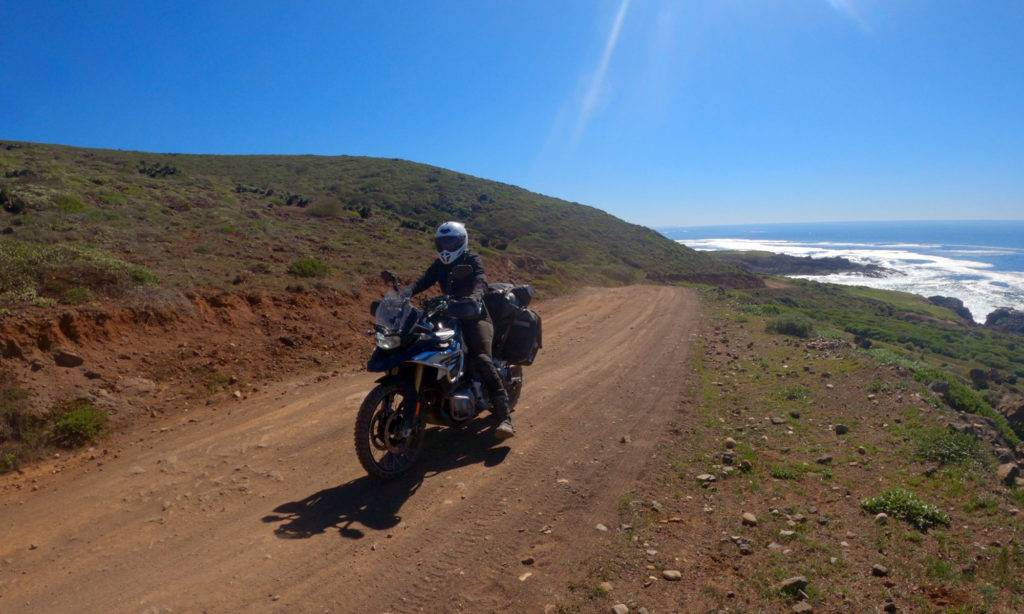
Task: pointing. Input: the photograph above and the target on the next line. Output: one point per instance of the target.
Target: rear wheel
(384, 450)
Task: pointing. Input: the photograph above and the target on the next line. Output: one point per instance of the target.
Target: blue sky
(661, 112)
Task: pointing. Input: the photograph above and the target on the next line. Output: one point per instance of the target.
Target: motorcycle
(423, 356)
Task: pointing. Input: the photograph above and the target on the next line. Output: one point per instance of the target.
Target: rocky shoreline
(769, 263)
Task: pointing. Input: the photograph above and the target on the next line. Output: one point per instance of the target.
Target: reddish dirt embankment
(259, 505)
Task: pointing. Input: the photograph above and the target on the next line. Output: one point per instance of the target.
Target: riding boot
(504, 430)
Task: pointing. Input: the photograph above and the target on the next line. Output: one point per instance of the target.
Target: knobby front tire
(381, 449)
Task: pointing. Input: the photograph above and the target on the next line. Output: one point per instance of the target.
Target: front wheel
(514, 385)
(384, 450)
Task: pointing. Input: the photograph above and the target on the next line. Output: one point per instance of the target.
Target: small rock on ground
(672, 575)
(796, 583)
(620, 608)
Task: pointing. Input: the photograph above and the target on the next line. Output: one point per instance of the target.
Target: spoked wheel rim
(383, 448)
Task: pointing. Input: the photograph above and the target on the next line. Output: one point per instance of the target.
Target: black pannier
(517, 330)
(522, 339)
(502, 305)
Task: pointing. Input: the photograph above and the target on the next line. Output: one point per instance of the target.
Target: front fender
(397, 379)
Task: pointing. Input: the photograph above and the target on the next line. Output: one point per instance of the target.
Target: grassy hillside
(85, 221)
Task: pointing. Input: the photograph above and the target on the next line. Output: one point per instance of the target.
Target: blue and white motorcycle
(426, 380)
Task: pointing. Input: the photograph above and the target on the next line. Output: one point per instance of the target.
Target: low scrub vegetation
(907, 506)
(793, 324)
(26, 433)
(68, 272)
(949, 447)
(78, 423)
(308, 267)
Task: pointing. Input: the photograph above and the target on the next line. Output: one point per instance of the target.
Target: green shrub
(985, 503)
(11, 203)
(141, 275)
(79, 424)
(907, 506)
(785, 473)
(795, 393)
(8, 462)
(950, 447)
(793, 324)
(69, 203)
(326, 208)
(14, 419)
(112, 197)
(20, 427)
(77, 295)
(308, 267)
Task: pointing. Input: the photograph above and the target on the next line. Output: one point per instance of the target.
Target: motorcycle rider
(452, 243)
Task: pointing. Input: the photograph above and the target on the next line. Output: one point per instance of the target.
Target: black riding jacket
(473, 286)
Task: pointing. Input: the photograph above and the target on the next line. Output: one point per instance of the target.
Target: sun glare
(597, 80)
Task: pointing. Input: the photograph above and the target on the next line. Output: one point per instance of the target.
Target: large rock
(1008, 472)
(1006, 319)
(953, 304)
(67, 358)
(1012, 407)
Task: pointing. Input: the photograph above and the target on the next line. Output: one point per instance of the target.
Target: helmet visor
(449, 243)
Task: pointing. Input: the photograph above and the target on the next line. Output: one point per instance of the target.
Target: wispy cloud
(597, 79)
(847, 9)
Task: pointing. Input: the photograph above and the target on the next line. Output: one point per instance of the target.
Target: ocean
(978, 262)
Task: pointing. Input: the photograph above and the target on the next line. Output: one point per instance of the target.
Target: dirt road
(261, 506)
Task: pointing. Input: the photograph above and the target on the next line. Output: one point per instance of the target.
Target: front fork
(411, 406)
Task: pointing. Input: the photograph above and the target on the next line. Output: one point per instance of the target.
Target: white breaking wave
(982, 288)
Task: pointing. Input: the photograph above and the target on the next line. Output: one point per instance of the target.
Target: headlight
(388, 342)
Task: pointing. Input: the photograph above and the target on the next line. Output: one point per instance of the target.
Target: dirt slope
(261, 506)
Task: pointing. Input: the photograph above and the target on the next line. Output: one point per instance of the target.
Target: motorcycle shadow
(374, 504)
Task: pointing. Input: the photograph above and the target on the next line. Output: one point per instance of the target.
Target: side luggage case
(523, 338)
(502, 305)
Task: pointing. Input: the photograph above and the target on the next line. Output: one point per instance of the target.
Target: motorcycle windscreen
(394, 312)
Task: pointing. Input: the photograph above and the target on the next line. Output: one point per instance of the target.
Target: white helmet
(451, 240)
